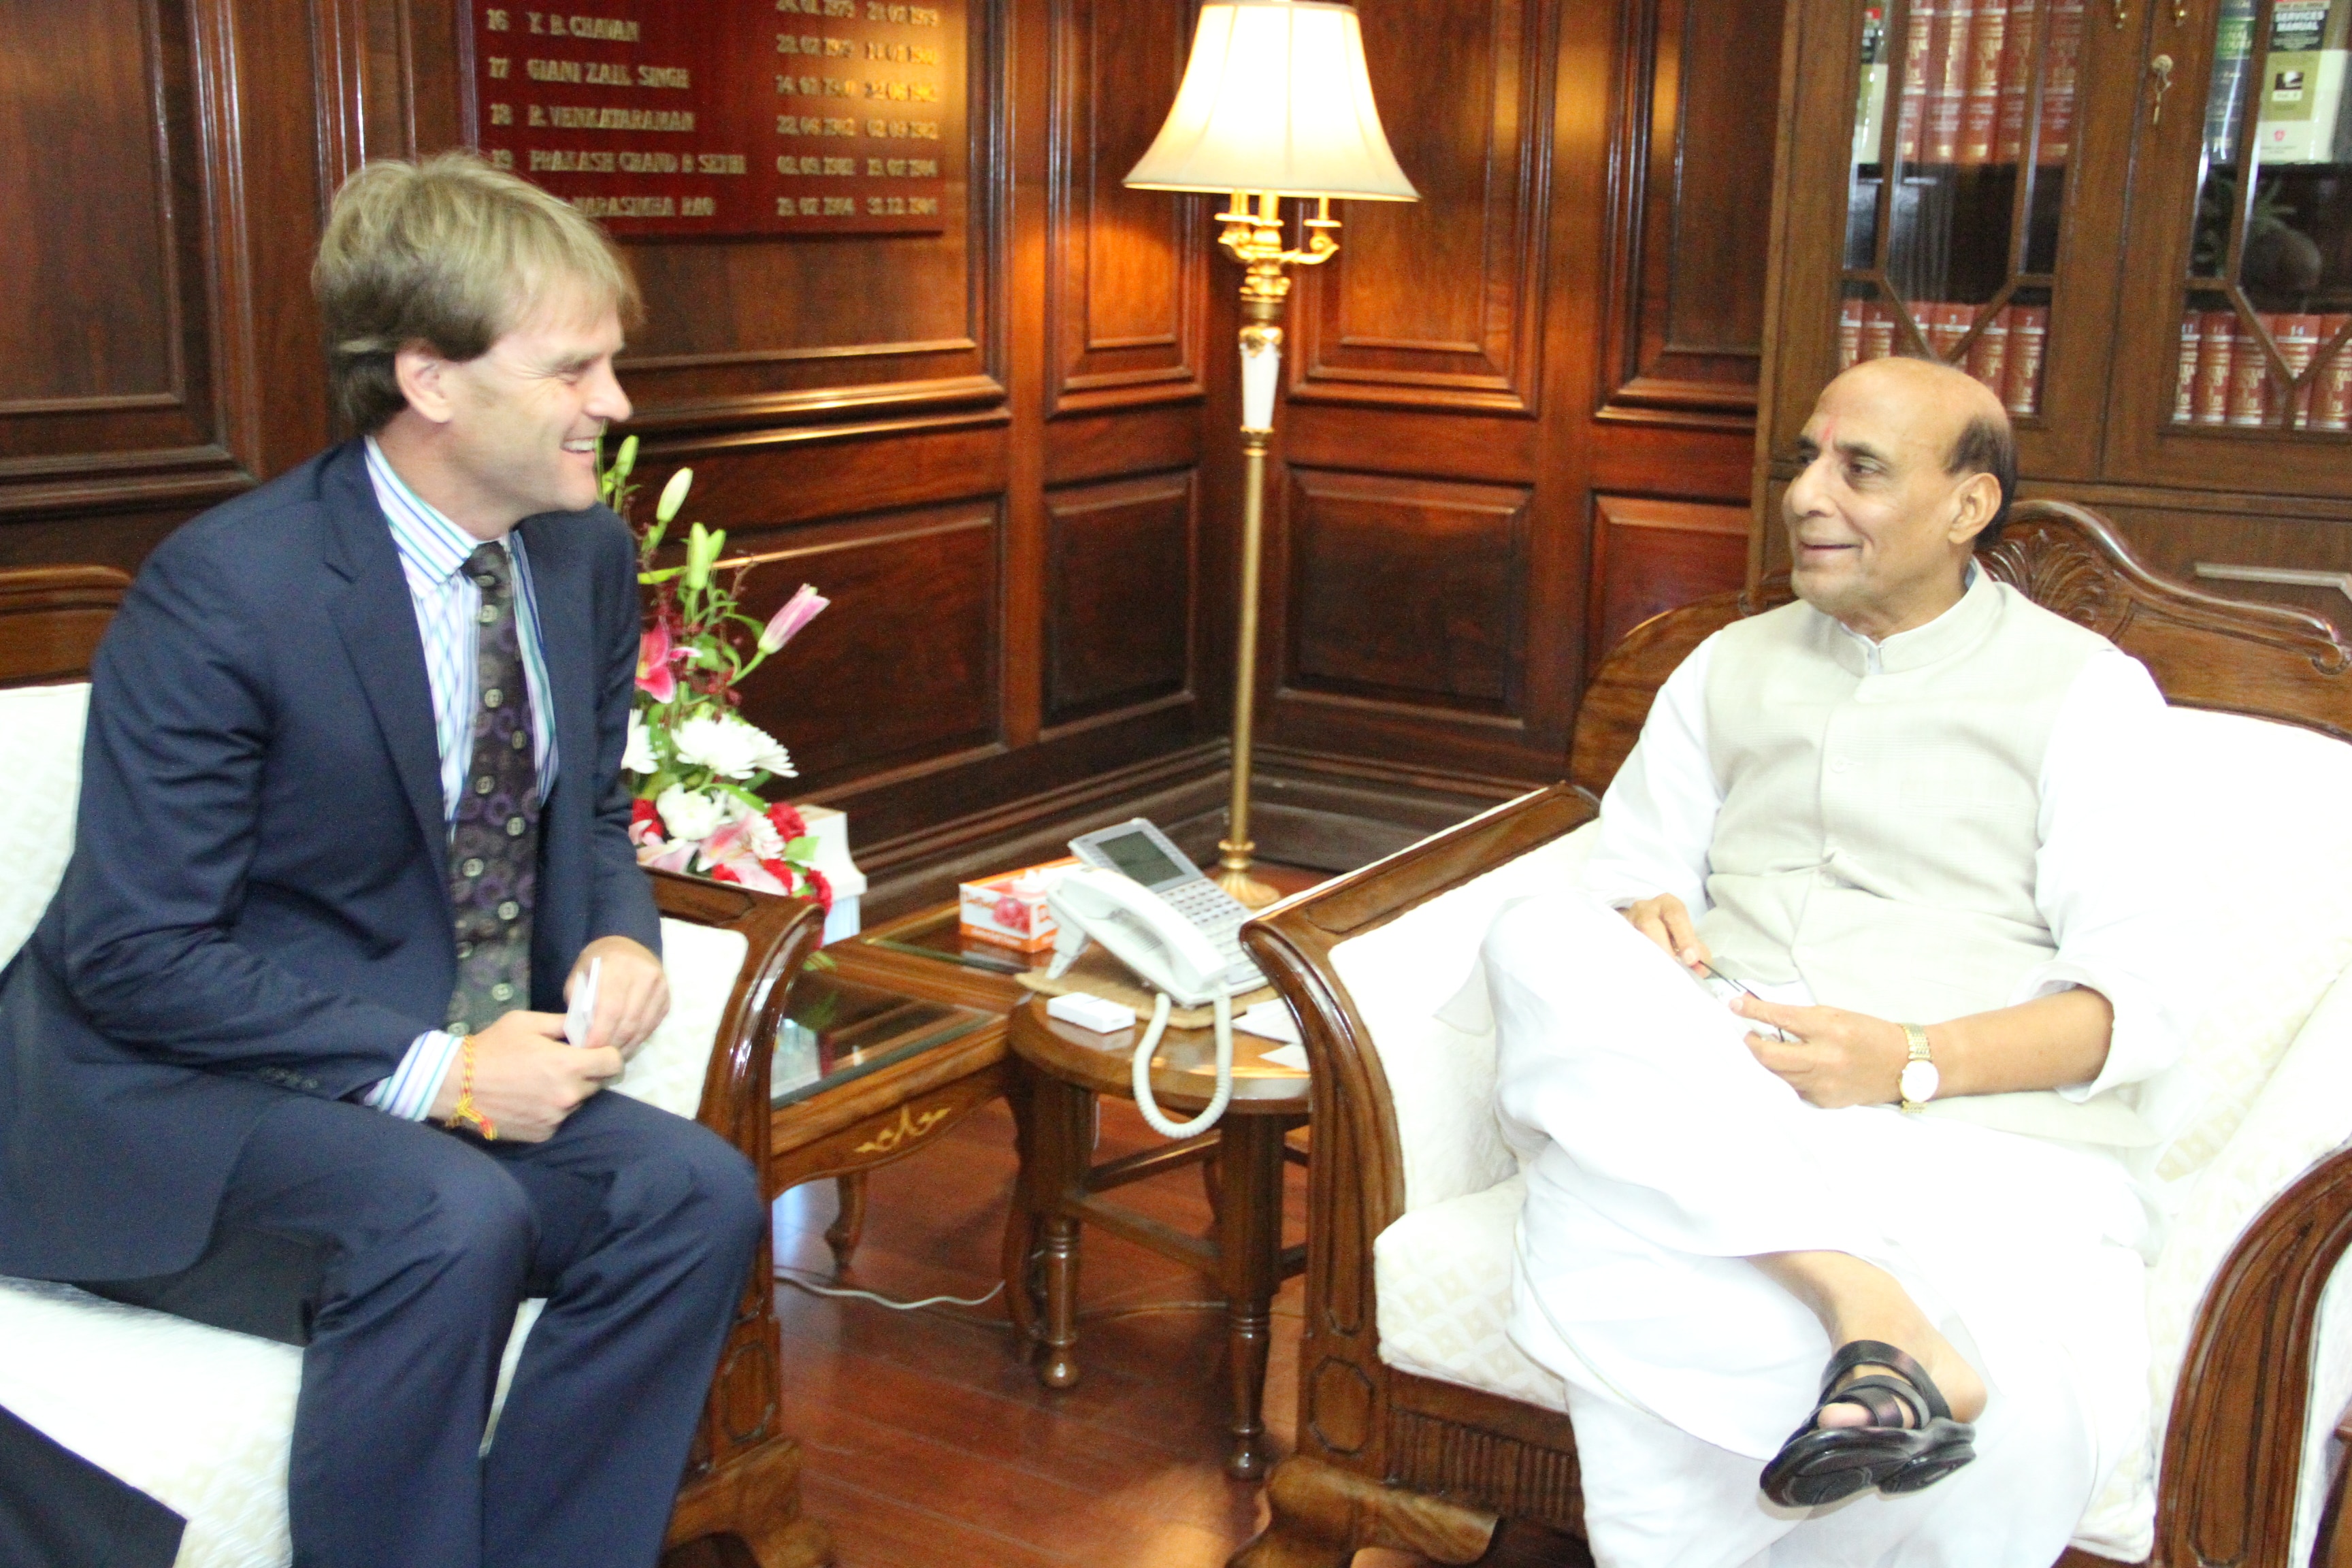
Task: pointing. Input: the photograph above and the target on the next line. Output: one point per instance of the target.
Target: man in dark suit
(287, 1051)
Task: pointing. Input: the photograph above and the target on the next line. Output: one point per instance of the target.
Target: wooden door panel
(1407, 592)
(1650, 557)
(1119, 572)
(1434, 304)
(903, 668)
(1688, 257)
(1125, 302)
(128, 346)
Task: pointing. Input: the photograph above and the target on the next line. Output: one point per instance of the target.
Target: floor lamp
(1275, 102)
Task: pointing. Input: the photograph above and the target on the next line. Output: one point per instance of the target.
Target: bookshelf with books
(2133, 221)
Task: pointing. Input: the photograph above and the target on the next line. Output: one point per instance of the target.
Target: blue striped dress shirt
(432, 553)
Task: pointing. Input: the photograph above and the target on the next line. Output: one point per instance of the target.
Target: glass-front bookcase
(2132, 219)
(2267, 306)
(1963, 137)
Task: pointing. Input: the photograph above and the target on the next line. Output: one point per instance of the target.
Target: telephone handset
(1166, 951)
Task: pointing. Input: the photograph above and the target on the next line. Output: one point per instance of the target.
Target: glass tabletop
(838, 1030)
(939, 936)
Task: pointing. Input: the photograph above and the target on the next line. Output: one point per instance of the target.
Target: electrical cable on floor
(791, 1278)
(936, 1304)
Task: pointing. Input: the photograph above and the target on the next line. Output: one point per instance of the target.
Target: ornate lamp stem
(1253, 237)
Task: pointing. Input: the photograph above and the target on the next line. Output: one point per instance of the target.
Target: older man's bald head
(1954, 409)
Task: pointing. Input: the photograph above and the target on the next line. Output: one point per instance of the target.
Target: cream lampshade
(1275, 102)
(1275, 97)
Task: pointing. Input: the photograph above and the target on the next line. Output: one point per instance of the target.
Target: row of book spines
(1967, 80)
(2226, 378)
(2006, 355)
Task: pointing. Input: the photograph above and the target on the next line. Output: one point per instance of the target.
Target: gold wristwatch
(1920, 1079)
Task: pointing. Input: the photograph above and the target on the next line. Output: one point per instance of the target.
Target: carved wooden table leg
(1249, 1253)
(1055, 1124)
(848, 1226)
(1059, 1369)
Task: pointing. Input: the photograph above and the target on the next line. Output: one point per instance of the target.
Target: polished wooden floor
(930, 1444)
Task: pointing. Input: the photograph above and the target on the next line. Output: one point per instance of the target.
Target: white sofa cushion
(42, 726)
(202, 1419)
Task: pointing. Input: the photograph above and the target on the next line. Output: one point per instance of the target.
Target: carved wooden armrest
(2233, 1452)
(1356, 1179)
(742, 1474)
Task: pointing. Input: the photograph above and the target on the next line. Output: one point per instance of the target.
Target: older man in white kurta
(1912, 798)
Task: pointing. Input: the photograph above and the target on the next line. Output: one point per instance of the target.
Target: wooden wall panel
(1436, 303)
(1687, 240)
(903, 668)
(1406, 591)
(1119, 595)
(995, 448)
(1650, 557)
(136, 186)
(88, 242)
(1595, 232)
(1126, 299)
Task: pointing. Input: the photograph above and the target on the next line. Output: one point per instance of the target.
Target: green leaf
(803, 849)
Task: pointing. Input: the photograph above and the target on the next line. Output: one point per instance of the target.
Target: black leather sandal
(1912, 1441)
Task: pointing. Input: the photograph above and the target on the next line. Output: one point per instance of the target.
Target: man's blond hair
(451, 253)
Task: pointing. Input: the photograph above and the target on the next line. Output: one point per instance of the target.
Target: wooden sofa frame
(1388, 1458)
(742, 1475)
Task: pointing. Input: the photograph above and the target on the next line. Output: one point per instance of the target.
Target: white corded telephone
(1166, 951)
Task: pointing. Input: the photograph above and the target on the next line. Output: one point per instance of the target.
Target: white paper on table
(1271, 1019)
(1287, 1057)
(582, 1011)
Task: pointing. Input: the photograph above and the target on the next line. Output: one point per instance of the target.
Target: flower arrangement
(694, 765)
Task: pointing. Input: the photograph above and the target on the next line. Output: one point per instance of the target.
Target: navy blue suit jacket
(258, 903)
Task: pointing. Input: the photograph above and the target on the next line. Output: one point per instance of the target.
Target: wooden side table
(914, 1022)
(1057, 1071)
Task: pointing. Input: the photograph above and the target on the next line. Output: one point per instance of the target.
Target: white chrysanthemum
(730, 748)
(689, 814)
(638, 758)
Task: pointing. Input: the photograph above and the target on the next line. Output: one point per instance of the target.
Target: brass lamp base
(1234, 876)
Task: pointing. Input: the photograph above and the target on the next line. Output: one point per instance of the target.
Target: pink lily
(653, 658)
(730, 848)
(666, 855)
(797, 612)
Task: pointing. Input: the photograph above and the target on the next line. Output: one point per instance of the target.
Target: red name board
(740, 117)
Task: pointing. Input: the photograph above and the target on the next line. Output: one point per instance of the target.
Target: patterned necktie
(494, 844)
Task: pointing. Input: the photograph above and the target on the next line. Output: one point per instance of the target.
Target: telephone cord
(1223, 1008)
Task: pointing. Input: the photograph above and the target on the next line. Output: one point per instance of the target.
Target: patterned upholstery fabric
(200, 1418)
(2265, 1089)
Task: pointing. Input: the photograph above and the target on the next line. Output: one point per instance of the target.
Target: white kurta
(1662, 1156)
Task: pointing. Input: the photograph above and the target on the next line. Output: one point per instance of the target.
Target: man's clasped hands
(527, 1076)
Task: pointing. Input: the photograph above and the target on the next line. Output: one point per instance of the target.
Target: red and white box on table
(1011, 910)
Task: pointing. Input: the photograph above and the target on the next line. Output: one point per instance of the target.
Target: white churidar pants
(1663, 1157)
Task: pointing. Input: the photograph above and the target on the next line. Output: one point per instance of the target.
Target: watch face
(1919, 1080)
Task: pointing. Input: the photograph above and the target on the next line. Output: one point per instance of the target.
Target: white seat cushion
(1443, 1276)
(203, 1419)
(43, 725)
